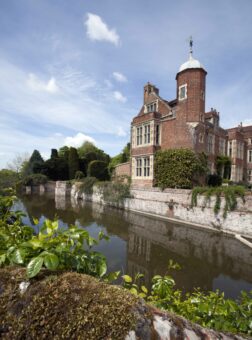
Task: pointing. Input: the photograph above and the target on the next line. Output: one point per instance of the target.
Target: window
(210, 143)
(182, 92)
(230, 148)
(222, 146)
(146, 167)
(146, 134)
(250, 176)
(157, 134)
(250, 156)
(151, 107)
(201, 138)
(240, 150)
(139, 135)
(143, 167)
(139, 167)
(202, 95)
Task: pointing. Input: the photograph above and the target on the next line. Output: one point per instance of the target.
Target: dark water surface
(143, 244)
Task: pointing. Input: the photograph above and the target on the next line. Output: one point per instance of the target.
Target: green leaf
(17, 256)
(2, 258)
(51, 261)
(112, 276)
(34, 266)
(35, 221)
(144, 289)
(127, 278)
(133, 291)
(102, 268)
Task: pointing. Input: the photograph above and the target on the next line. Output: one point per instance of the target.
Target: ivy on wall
(179, 168)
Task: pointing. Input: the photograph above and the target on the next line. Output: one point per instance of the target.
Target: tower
(191, 83)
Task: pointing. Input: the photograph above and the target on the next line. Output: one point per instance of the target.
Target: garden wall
(175, 204)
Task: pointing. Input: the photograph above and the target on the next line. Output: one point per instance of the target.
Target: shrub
(114, 192)
(99, 170)
(35, 179)
(79, 175)
(87, 184)
(178, 168)
(214, 180)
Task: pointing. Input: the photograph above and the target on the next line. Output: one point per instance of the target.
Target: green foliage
(230, 194)
(114, 192)
(178, 168)
(35, 162)
(86, 185)
(63, 152)
(210, 309)
(8, 179)
(79, 175)
(54, 153)
(35, 179)
(99, 170)
(122, 157)
(73, 162)
(53, 248)
(56, 168)
(89, 151)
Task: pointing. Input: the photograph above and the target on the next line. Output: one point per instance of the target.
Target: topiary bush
(79, 175)
(179, 168)
(35, 179)
(99, 170)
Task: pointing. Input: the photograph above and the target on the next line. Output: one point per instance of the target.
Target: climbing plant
(230, 194)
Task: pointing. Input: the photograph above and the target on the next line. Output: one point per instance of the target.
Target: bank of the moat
(209, 259)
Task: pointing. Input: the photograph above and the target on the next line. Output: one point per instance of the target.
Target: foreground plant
(53, 247)
(210, 309)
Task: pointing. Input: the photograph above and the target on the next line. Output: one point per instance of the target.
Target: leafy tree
(17, 163)
(73, 162)
(54, 153)
(64, 152)
(91, 152)
(35, 162)
(122, 157)
(99, 170)
(179, 168)
(56, 169)
(8, 179)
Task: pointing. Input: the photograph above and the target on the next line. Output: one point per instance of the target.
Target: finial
(191, 45)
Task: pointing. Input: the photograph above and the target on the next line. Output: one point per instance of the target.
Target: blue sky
(74, 70)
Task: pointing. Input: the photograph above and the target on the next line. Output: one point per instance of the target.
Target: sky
(72, 71)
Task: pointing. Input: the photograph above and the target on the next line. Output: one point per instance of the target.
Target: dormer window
(183, 92)
(152, 107)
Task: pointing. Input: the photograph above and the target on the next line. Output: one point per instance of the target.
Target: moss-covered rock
(67, 305)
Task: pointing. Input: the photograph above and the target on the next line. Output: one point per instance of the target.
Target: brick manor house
(184, 123)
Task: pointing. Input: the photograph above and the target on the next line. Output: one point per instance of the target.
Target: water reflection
(143, 244)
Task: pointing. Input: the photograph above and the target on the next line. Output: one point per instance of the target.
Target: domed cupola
(191, 63)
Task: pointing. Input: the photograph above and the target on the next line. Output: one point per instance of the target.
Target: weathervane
(191, 45)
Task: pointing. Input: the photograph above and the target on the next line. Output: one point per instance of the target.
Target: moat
(142, 244)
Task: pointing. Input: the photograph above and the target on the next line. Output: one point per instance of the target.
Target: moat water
(142, 244)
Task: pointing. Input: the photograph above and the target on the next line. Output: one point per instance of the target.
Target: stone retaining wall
(176, 204)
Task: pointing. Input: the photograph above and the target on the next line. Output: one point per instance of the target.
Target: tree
(8, 179)
(122, 157)
(63, 152)
(35, 162)
(73, 162)
(54, 153)
(17, 163)
(99, 170)
(88, 148)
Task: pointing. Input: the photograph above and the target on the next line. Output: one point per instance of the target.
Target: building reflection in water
(141, 244)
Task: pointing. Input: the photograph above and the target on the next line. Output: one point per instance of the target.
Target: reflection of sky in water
(231, 286)
(142, 244)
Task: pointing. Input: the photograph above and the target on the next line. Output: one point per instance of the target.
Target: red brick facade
(183, 123)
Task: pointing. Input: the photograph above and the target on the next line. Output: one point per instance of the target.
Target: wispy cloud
(121, 132)
(120, 97)
(78, 140)
(38, 85)
(98, 30)
(119, 77)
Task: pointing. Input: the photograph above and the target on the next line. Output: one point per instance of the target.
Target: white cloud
(121, 132)
(97, 29)
(247, 122)
(119, 77)
(120, 97)
(37, 85)
(78, 140)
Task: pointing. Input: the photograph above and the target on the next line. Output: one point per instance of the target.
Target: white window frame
(250, 156)
(249, 176)
(184, 86)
